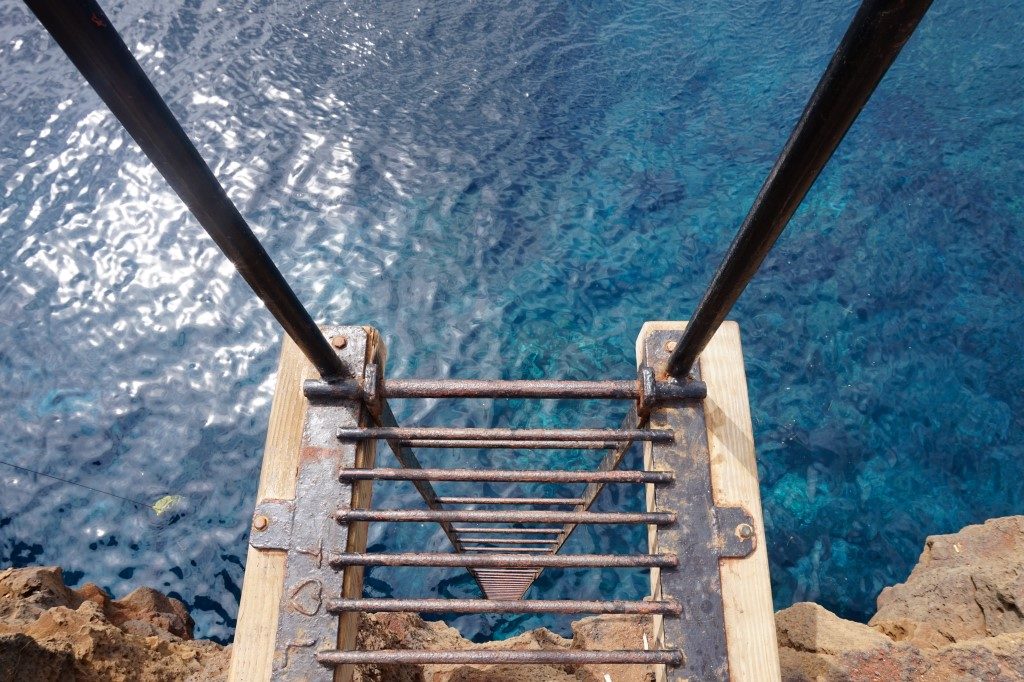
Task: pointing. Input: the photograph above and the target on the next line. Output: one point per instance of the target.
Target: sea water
(509, 189)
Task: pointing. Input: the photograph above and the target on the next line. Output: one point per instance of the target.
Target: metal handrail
(85, 33)
(875, 36)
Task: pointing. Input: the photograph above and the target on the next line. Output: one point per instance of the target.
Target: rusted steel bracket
(704, 533)
(305, 528)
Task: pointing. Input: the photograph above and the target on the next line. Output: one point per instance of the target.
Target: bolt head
(260, 522)
(744, 531)
(670, 346)
(339, 342)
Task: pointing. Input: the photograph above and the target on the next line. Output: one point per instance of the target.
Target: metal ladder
(324, 528)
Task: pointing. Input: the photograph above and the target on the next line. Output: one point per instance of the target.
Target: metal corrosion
(668, 607)
(509, 550)
(536, 501)
(505, 475)
(534, 656)
(488, 516)
(510, 444)
(628, 389)
(525, 531)
(448, 560)
(449, 433)
(506, 541)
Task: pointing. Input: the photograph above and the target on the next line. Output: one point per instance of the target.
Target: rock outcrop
(409, 631)
(959, 616)
(49, 631)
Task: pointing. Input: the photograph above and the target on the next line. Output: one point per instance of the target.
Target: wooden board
(253, 651)
(746, 589)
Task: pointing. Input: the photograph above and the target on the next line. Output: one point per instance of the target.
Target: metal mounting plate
(704, 534)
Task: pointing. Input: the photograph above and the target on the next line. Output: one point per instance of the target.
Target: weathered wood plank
(253, 650)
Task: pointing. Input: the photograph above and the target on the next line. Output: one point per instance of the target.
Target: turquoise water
(510, 189)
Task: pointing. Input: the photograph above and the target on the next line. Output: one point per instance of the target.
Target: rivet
(339, 342)
(670, 346)
(744, 531)
(260, 522)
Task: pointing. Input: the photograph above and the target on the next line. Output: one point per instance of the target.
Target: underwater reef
(958, 616)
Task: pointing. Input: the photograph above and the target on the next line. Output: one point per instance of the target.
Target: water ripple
(509, 189)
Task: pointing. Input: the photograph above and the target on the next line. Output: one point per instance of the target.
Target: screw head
(260, 522)
(744, 531)
(339, 342)
(670, 346)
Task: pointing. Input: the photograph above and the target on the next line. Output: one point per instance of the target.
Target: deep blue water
(510, 189)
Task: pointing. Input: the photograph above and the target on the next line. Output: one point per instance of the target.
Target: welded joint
(647, 395)
(737, 538)
(371, 394)
(272, 524)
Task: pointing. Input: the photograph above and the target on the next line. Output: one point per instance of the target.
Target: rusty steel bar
(525, 531)
(450, 433)
(488, 516)
(666, 608)
(448, 560)
(506, 475)
(874, 38)
(672, 657)
(537, 501)
(628, 389)
(382, 415)
(512, 550)
(509, 444)
(507, 541)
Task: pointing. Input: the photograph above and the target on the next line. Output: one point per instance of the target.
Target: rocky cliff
(959, 616)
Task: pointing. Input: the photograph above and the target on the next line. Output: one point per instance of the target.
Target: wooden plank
(746, 588)
(253, 650)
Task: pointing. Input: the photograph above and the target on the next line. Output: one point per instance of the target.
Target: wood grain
(746, 589)
(253, 651)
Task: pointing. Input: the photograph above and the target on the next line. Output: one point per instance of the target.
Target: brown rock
(409, 631)
(22, 658)
(56, 633)
(957, 617)
(149, 606)
(965, 586)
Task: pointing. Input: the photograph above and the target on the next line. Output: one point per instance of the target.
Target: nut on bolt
(339, 341)
(260, 522)
(744, 531)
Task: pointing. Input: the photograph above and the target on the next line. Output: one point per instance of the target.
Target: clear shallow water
(510, 190)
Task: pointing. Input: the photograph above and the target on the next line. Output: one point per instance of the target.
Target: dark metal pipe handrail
(89, 39)
(875, 36)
